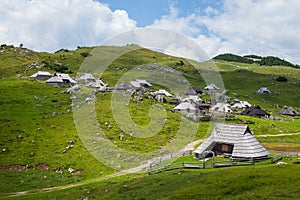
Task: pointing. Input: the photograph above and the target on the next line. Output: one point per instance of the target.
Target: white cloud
(261, 27)
(211, 11)
(49, 25)
(243, 27)
(172, 21)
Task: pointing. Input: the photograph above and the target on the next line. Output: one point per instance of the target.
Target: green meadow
(37, 127)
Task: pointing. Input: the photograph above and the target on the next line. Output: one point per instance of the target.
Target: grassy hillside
(37, 125)
(264, 181)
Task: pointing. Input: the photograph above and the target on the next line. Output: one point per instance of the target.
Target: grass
(31, 133)
(226, 183)
(15, 181)
(261, 126)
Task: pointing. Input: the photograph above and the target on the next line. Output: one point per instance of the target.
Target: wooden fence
(157, 166)
(170, 156)
(174, 165)
(286, 154)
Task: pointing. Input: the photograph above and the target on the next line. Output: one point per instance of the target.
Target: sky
(241, 27)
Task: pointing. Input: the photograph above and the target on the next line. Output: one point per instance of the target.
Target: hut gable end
(234, 139)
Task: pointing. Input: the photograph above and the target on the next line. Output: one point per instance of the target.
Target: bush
(85, 54)
(234, 58)
(281, 79)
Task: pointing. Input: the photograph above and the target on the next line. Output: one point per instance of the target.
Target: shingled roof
(255, 111)
(289, 111)
(245, 145)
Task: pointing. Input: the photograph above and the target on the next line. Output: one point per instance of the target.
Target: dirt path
(278, 135)
(192, 145)
(189, 146)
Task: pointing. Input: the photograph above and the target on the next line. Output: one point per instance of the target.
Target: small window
(225, 148)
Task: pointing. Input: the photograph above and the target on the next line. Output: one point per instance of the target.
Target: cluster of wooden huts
(187, 103)
(234, 140)
(64, 80)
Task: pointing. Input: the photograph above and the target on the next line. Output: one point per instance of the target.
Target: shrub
(281, 79)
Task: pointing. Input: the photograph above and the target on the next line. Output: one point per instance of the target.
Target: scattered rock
(42, 166)
(70, 170)
(121, 137)
(281, 163)
(59, 170)
(78, 171)
(37, 98)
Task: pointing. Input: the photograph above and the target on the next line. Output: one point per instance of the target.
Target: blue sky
(144, 12)
(219, 26)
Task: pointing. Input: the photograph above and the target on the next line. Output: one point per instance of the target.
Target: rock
(70, 170)
(281, 163)
(37, 98)
(121, 137)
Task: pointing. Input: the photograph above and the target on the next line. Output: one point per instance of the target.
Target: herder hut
(60, 78)
(124, 87)
(175, 101)
(41, 75)
(138, 83)
(255, 111)
(87, 77)
(197, 90)
(263, 90)
(241, 105)
(190, 92)
(211, 87)
(289, 111)
(99, 84)
(55, 80)
(193, 99)
(186, 107)
(233, 140)
(221, 107)
(163, 92)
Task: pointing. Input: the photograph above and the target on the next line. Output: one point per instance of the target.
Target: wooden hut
(255, 111)
(190, 92)
(41, 75)
(289, 111)
(234, 140)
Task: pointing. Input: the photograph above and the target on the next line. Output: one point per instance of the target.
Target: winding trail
(278, 135)
(189, 146)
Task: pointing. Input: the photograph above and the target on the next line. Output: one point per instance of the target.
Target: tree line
(250, 59)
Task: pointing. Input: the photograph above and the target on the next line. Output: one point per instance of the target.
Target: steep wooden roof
(255, 111)
(289, 111)
(240, 136)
